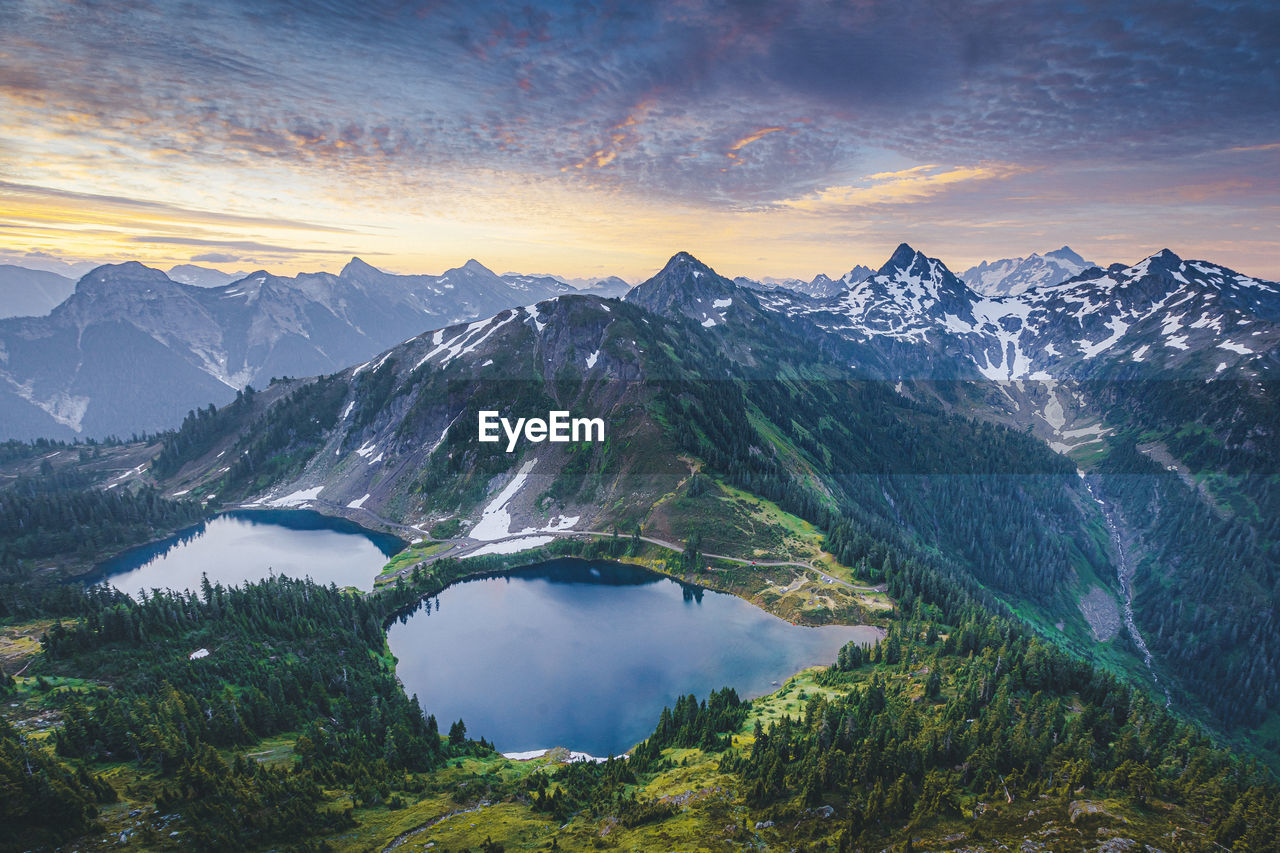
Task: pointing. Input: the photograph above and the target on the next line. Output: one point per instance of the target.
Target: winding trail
(404, 837)
(1124, 573)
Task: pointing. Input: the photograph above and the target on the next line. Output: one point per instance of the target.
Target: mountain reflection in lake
(244, 546)
(586, 654)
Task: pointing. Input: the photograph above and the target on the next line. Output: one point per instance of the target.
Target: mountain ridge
(1014, 276)
(65, 374)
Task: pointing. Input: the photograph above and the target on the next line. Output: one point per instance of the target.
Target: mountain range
(820, 286)
(1195, 314)
(131, 349)
(1087, 465)
(1095, 448)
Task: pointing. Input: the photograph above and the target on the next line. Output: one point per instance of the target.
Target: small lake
(586, 654)
(246, 546)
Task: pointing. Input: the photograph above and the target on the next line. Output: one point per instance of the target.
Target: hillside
(736, 431)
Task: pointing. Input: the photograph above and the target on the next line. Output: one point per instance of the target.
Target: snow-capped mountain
(1187, 316)
(1012, 276)
(395, 435)
(822, 286)
(1179, 317)
(133, 350)
(607, 287)
(687, 287)
(908, 298)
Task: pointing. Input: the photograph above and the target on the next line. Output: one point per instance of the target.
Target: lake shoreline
(743, 581)
(234, 546)
(584, 653)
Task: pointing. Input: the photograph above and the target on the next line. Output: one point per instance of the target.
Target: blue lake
(242, 546)
(585, 655)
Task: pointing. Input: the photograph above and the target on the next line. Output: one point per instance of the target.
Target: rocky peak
(904, 259)
(685, 286)
(130, 280)
(359, 270)
(857, 274)
(475, 267)
(1067, 254)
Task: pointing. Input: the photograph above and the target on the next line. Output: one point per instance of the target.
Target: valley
(834, 460)
(696, 427)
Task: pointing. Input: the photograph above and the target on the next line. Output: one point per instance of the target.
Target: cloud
(12, 194)
(395, 91)
(1270, 146)
(253, 116)
(216, 258)
(901, 187)
(752, 137)
(241, 245)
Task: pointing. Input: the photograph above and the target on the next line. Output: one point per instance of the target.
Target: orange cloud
(732, 153)
(1270, 146)
(901, 187)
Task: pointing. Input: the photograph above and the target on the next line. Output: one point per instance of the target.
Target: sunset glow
(769, 140)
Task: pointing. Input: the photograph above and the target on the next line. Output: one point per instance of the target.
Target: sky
(597, 137)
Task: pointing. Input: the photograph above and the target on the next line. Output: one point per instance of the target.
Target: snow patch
(1053, 413)
(1233, 347)
(722, 303)
(571, 756)
(1117, 326)
(591, 359)
(495, 521)
(197, 654)
(708, 323)
(365, 366)
(358, 502)
(297, 498)
(512, 546)
(62, 407)
(465, 342)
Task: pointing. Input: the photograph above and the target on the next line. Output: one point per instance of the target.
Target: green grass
(407, 558)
